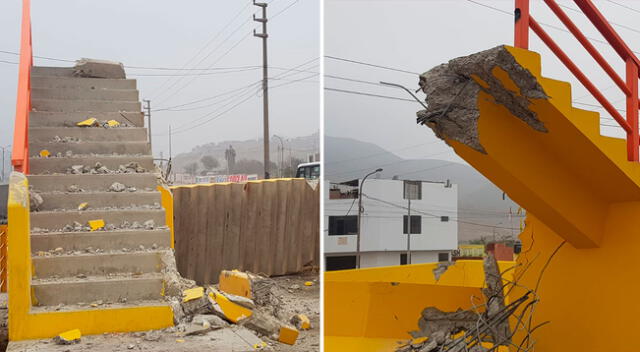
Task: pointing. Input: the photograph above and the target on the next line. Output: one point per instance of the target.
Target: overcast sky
(162, 33)
(418, 35)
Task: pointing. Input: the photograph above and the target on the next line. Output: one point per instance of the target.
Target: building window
(444, 218)
(443, 257)
(412, 190)
(403, 259)
(343, 225)
(340, 262)
(416, 224)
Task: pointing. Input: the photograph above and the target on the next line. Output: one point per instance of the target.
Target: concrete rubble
(465, 330)
(453, 90)
(93, 68)
(202, 309)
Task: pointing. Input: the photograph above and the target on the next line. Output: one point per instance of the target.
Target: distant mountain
(482, 209)
(296, 147)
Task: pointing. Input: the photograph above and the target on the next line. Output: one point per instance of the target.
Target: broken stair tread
(138, 304)
(93, 182)
(129, 232)
(123, 278)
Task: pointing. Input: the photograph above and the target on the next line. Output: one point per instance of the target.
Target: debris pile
(483, 328)
(130, 168)
(240, 299)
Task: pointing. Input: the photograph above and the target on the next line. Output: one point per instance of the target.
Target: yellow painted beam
(167, 204)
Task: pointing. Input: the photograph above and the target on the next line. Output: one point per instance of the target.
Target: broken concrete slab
(93, 68)
(453, 89)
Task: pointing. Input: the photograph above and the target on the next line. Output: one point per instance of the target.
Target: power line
(221, 114)
(285, 9)
(625, 6)
(367, 94)
(542, 23)
(613, 23)
(436, 216)
(369, 64)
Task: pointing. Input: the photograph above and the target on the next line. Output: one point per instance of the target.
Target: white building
(434, 231)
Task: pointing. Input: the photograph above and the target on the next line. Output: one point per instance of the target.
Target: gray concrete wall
(4, 194)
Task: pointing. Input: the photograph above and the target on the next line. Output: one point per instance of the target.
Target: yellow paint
(44, 153)
(96, 224)
(506, 80)
(83, 206)
(192, 293)
(179, 340)
(578, 189)
(236, 283)
(308, 283)
(87, 123)
(166, 197)
(373, 309)
(70, 336)
(26, 323)
(288, 334)
(234, 312)
(305, 323)
(260, 345)
(113, 123)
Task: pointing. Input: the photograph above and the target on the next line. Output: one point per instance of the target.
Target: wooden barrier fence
(269, 227)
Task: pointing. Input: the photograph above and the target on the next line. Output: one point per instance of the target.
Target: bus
(310, 171)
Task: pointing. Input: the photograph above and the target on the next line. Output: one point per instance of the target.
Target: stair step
(70, 266)
(112, 162)
(90, 147)
(92, 183)
(94, 289)
(84, 105)
(104, 240)
(70, 119)
(98, 200)
(51, 71)
(120, 134)
(83, 93)
(57, 220)
(81, 82)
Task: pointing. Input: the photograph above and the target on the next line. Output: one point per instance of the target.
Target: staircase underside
(520, 130)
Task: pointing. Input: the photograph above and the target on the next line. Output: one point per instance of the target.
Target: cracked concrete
(452, 91)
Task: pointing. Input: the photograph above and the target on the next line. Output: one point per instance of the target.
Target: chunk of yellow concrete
(69, 337)
(236, 283)
(87, 123)
(308, 283)
(96, 224)
(83, 206)
(44, 153)
(288, 334)
(113, 123)
(301, 321)
(192, 293)
(232, 311)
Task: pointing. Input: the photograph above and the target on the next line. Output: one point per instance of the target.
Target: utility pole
(265, 82)
(148, 114)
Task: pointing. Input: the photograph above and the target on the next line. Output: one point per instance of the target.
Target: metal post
(265, 83)
(148, 108)
(360, 216)
(632, 110)
(409, 231)
(521, 30)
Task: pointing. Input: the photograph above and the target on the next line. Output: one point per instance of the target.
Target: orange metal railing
(629, 86)
(4, 234)
(20, 153)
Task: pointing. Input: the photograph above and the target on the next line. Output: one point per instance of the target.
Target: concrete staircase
(117, 266)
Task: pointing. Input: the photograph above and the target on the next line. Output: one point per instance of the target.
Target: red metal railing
(629, 86)
(20, 153)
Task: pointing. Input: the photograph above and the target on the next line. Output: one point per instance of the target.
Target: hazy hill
(479, 201)
(296, 147)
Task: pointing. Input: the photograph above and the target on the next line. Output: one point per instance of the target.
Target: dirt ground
(294, 296)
